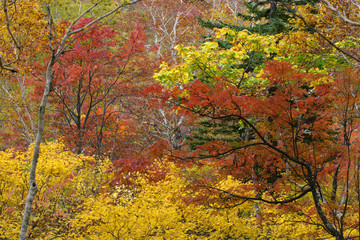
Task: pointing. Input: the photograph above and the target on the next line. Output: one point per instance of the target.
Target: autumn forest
(179, 119)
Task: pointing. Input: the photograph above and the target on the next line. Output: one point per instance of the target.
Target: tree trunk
(56, 52)
(33, 189)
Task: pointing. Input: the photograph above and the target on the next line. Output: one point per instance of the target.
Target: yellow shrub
(60, 180)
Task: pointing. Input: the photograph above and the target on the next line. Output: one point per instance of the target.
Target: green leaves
(237, 64)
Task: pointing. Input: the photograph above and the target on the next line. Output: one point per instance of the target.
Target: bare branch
(17, 48)
(325, 38)
(288, 200)
(339, 14)
(4, 66)
(5, 6)
(228, 152)
(99, 18)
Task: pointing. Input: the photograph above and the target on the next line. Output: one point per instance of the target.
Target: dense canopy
(154, 119)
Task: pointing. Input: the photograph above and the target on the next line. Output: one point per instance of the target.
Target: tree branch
(291, 199)
(338, 13)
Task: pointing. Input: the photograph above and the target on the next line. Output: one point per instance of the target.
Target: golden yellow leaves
(22, 30)
(146, 210)
(157, 212)
(60, 173)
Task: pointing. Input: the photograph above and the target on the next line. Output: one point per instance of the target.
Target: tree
(87, 85)
(264, 17)
(169, 23)
(57, 48)
(287, 143)
(21, 37)
(280, 131)
(64, 180)
(162, 126)
(337, 27)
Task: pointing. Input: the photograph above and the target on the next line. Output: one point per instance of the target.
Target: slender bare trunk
(33, 189)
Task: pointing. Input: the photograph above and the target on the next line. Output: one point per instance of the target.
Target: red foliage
(88, 82)
(125, 168)
(293, 136)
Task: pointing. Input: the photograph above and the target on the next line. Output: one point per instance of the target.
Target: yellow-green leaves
(212, 60)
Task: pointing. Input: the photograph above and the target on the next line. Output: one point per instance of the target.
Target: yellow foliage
(212, 60)
(158, 211)
(24, 34)
(72, 204)
(60, 176)
(243, 51)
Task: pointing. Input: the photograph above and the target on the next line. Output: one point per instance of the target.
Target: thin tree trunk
(33, 189)
(56, 53)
